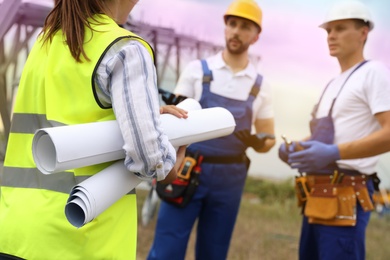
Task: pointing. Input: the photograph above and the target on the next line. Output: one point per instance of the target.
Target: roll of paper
(68, 147)
(189, 104)
(91, 197)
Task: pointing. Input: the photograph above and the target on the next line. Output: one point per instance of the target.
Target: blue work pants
(320, 242)
(215, 205)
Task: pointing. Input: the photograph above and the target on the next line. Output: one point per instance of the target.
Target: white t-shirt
(227, 84)
(366, 93)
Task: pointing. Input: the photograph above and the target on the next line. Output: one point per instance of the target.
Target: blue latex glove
(256, 141)
(315, 156)
(283, 153)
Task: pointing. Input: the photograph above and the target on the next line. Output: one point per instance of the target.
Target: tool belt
(332, 199)
(183, 188)
(242, 158)
(180, 192)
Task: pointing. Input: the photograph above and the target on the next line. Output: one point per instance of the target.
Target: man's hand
(169, 98)
(315, 156)
(256, 141)
(283, 153)
(174, 110)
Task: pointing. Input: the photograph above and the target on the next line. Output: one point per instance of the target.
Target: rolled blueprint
(67, 147)
(189, 104)
(91, 197)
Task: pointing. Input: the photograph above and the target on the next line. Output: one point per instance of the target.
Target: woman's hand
(174, 110)
(180, 155)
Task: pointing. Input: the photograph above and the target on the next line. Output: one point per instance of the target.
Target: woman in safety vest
(83, 68)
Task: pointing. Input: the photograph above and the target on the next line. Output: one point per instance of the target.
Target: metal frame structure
(170, 47)
(20, 21)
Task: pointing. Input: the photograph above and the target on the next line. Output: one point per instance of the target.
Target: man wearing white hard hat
(350, 128)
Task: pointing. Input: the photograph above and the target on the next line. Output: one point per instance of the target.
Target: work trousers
(322, 242)
(215, 205)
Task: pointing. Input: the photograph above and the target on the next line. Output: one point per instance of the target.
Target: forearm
(147, 148)
(136, 106)
(374, 144)
(371, 145)
(269, 143)
(265, 126)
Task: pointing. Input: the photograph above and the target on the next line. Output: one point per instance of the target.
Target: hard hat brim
(369, 23)
(226, 16)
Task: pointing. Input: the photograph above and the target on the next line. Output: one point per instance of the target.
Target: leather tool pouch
(331, 205)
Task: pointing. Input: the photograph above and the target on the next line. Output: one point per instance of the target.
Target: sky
(294, 57)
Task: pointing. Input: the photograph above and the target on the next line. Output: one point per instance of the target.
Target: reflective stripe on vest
(33, 178)
(29, 123)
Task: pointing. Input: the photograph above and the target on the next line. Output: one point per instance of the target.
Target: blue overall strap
(207, 74)
(315, 109)
(208, 77)
(256, 87)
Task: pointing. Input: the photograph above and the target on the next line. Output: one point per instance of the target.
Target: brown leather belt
(356, 181)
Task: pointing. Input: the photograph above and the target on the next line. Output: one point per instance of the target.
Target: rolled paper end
(44, 153)
(75, 213)
(189, 104)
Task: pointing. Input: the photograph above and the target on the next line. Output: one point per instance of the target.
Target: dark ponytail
(71, 16)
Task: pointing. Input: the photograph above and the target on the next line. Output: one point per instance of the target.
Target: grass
(268, 226)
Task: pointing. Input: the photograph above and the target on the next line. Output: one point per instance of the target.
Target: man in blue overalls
(350, 128)
(227, 80)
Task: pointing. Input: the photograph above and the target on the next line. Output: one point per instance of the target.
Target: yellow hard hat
(247, 9)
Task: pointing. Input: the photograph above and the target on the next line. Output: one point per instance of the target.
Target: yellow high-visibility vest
(56, 90)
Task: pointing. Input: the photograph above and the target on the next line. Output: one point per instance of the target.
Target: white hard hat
(349, 9)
